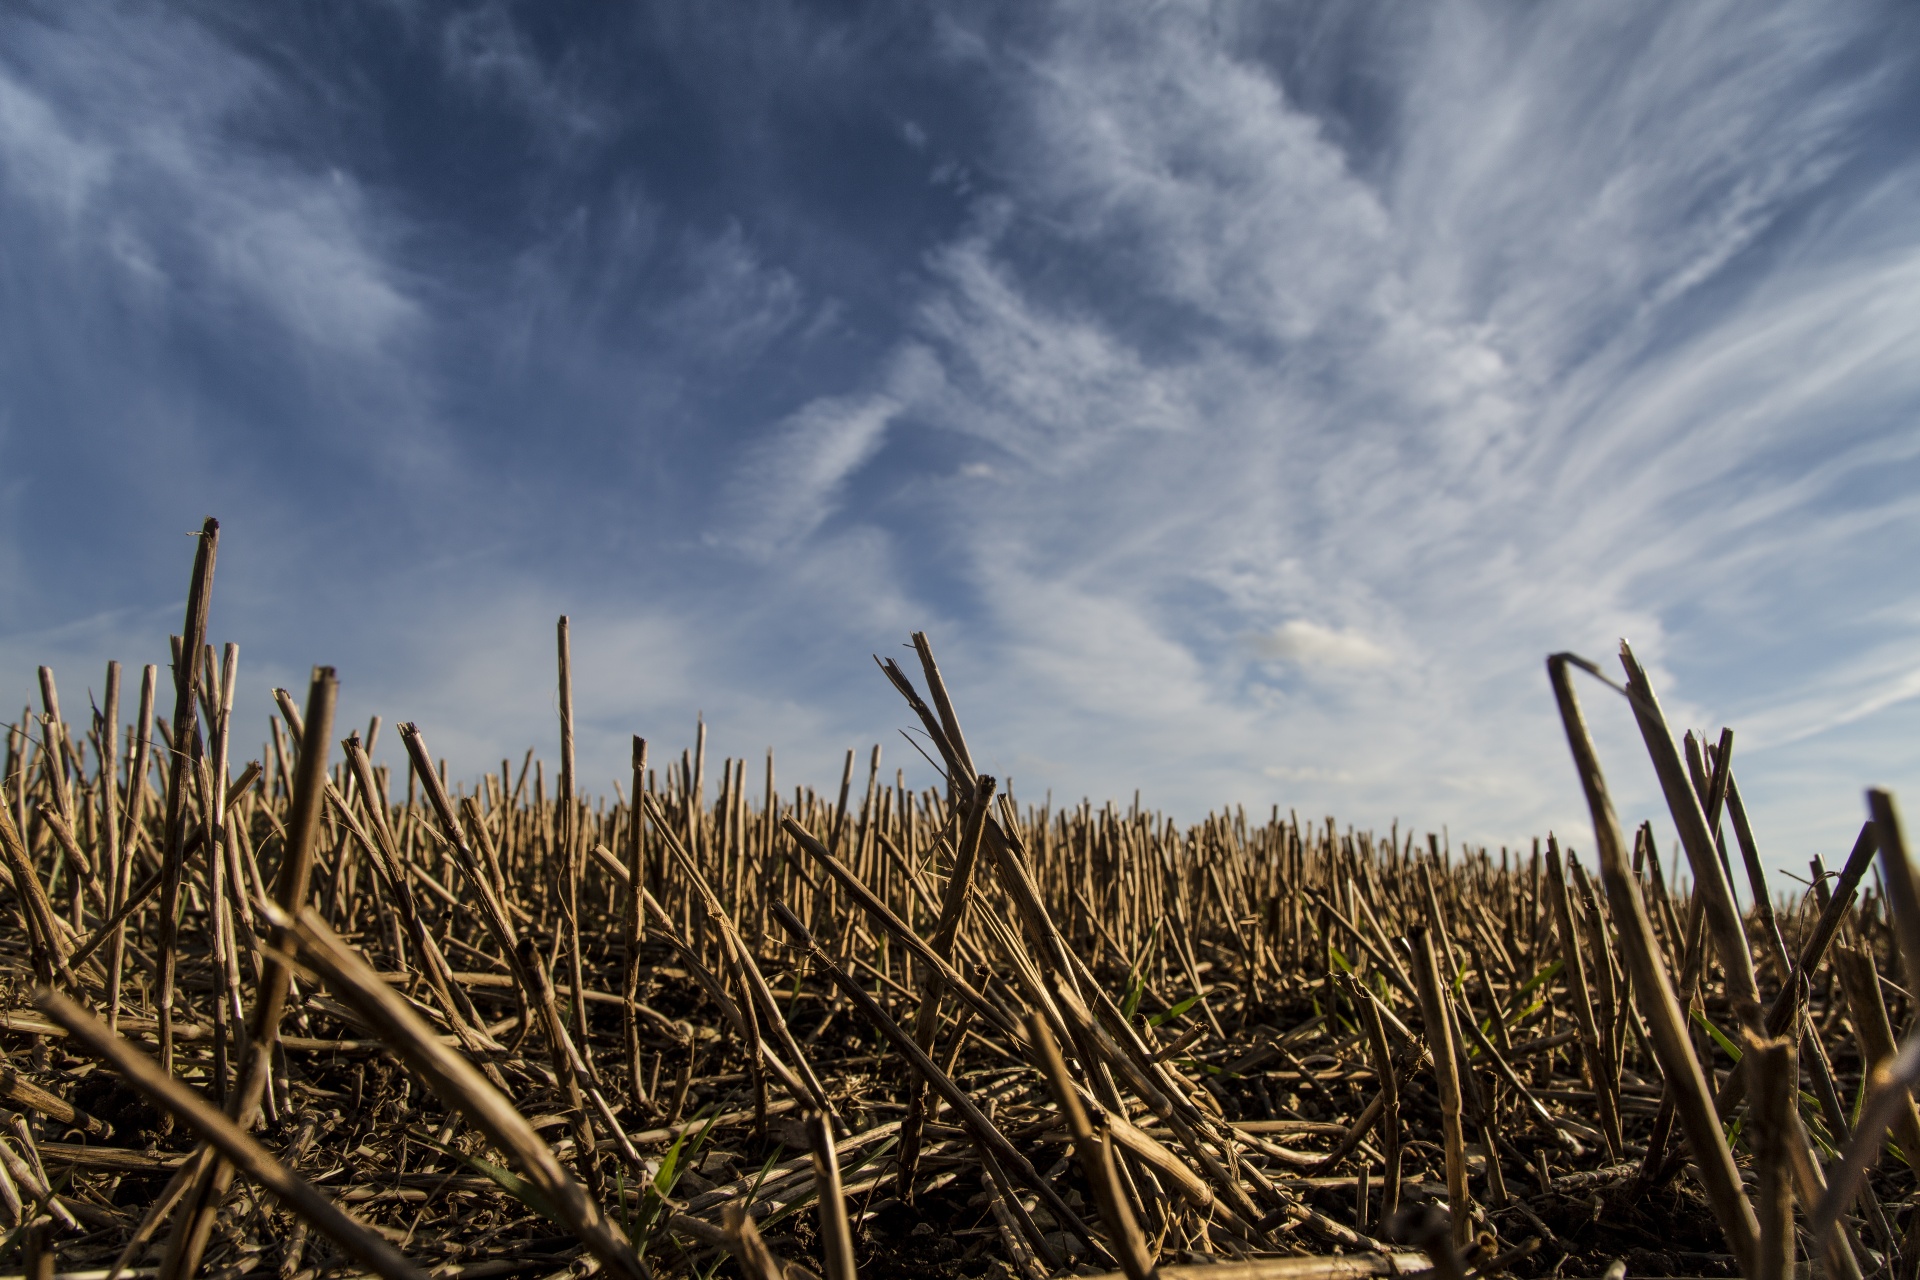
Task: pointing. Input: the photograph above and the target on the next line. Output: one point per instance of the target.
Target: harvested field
(301, 1015)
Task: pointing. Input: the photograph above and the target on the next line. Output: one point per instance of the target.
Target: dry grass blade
(898, 929)
(1127, 1055)
(560, 1054)
(751, 1254)
(1902, 886)
(633, 922)
(1387, 1072)
(124, 839)
(1867, 1009)
(46, 932)
(1887, 1092)
(385, 852)
(757, 1002)
(836, 1235)
(949, 723)
(926, 1023)
(1693, 1098)
(567, 813)
(186, 743)
(245, 1154)
(194, 1223)
(32, 1181)
(1709, 877)
(1775, 1083)
(163, 1204)
(23, 1092)
(1096, 1158)
(1439, 1029)
(982, 1129)
(1887, 1087)
(57, 823)
(1162, 1161)
(1599, 1070)
(460, 1085)
(112, 928)
(1343, 1267)
(1750, 855)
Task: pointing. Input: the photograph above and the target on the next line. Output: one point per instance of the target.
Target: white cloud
(181, 254)
(1469, 399)
(737, 302)
(1205, 181)
(1048, 385)
(298, 248)
(792, 481)
(126, 131)
(1309, 644)
(1284, 773)
(41, 158)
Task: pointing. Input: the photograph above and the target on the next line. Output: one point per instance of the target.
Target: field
(291, 1013)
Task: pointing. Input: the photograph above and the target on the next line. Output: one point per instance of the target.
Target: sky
(1245, 398)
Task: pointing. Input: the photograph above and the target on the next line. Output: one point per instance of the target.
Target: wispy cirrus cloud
(186, 310)
(793, 481)
(140, 164)
(1560, 359)
(485, 50)
(1247, 399)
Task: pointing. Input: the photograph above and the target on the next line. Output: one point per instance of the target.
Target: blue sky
(1245, 397)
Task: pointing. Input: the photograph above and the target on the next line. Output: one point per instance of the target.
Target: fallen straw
(926, 1019)
(1888, 1085)
(185, 742)
(193, 1223)
(1439, 1032)
(1692, 1096)
(1599, 1072)
(1775, 1075)
(234, 1145)
(1096, 1158)
(982, 1129)
(22, 1092)
(461, 1087)
(836, 1236)
(750, 1252)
